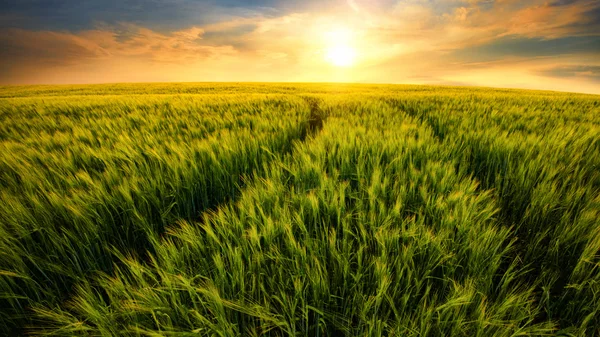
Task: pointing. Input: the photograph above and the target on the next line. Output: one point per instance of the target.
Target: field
(298, 210)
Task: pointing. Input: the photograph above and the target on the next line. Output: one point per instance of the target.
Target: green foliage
(298, 210)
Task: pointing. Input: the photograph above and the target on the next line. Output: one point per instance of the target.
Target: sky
(533, 44)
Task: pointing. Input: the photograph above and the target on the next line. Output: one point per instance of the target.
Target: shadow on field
(316, 117)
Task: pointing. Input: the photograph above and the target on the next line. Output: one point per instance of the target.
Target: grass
(298, 209)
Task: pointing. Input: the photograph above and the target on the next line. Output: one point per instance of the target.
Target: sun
(341, 55)
(339, 43)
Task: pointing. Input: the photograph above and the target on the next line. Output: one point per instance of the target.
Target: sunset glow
(541, 44)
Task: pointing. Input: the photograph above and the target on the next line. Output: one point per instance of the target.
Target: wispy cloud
(592, 72)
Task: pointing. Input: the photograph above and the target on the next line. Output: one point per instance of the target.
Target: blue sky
(158, 14)
(545, 44)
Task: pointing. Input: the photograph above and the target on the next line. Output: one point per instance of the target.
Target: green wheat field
(298, 210)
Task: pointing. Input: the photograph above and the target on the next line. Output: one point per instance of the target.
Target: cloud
(50, 48)
(515, 46)
(555, 20)
(591, 72)
(47, 47)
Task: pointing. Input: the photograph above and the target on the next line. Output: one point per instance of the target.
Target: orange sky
(503, 43)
